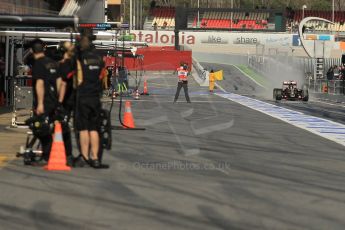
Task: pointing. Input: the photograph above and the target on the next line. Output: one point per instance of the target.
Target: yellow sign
(219, 75)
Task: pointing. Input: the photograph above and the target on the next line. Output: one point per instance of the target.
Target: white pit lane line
(325, 128)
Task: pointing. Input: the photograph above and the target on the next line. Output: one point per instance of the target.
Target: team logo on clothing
(93, 67)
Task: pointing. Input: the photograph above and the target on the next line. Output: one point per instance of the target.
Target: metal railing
(307, 64)
(334, 87)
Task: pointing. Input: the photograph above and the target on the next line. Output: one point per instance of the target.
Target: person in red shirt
(182, 73)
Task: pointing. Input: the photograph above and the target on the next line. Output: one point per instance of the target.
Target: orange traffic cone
(57, 160)
(128, 119)
(146, 92)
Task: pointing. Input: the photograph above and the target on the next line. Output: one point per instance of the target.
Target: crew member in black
(66, 94)
(90, 68)
(44, 75)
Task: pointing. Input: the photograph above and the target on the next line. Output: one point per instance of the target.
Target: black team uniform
(89, 92)
(89, 95)
(66, 72)
(46, 69)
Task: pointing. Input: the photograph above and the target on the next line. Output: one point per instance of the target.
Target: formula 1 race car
(289, 91)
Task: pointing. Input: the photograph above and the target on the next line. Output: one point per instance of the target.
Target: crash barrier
(334, 87)
(164, 58)
(201, 74)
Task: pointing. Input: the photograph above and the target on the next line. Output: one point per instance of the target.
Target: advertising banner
(167, 38)
(233, 39)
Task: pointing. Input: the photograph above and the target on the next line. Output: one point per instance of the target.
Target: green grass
(253, 74)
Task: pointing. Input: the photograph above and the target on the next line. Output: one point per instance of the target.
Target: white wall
(216, 38)
(229, 40)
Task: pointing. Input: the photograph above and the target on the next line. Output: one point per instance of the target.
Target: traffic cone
(57, 160)
(146, 92)
(137, 95)
(128, 119)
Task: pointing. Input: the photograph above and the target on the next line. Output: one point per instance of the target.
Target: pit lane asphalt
(236, 82)
(259, 173)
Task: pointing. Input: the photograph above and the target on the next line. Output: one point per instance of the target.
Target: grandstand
(339, 16)
(233, 20)
(164, 18)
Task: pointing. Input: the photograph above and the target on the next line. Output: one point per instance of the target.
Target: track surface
(236, 82)
(212, 164)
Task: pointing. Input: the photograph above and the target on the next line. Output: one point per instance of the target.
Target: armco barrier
(158, 59)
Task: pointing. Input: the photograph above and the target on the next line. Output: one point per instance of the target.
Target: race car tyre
(278, 94)
(305, 93)
(274, 94)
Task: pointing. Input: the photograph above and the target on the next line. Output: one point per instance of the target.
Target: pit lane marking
(322, 127)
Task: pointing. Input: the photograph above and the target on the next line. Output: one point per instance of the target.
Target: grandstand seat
(214, 19)
(162, 15)
(222, 20)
